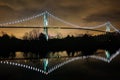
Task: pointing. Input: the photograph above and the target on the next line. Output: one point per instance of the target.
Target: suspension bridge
(46, 24)
(46, 27)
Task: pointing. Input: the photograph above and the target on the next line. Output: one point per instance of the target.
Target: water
(60, 66)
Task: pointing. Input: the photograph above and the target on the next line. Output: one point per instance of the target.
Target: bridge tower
(45, 64)
(45, 61)
(46, 24)
(108, 27)
(107, 54)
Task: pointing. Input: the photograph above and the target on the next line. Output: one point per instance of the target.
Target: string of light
(59, 19)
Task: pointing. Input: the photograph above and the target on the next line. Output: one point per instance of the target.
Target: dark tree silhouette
(36, 42)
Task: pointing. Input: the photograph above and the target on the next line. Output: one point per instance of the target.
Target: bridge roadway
(49, 27)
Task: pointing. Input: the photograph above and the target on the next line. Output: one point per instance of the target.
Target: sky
(79, 12)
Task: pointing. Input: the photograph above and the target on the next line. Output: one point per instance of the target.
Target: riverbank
(70, 44)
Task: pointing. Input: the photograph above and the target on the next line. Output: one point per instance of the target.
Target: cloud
(102, 17)
(6, 12)
(5, 8)
(74, 10)
(79, 12)
(23, 4)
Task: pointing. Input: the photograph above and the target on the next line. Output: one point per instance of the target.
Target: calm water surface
(84, 68)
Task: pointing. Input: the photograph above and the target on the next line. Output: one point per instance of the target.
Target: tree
(32, 35)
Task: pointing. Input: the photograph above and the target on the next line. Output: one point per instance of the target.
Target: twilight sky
(79, 12)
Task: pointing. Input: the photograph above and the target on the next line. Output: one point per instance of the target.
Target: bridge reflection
(47, 70)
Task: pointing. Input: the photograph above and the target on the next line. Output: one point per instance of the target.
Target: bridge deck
(52, 28)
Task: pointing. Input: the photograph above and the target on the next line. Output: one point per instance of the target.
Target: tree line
(36, 43)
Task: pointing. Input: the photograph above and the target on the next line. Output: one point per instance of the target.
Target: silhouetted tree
(32, 35)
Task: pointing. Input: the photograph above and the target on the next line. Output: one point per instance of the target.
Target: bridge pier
(45, 64)
(108, 27)
(46, 24)
(107, 54)
(45, 61)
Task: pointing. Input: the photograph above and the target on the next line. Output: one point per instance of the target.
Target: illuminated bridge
(46, 25)
(47, 22)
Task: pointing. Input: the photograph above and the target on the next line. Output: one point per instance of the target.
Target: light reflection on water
(51, 58)
(55, 54)
(47, 65)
